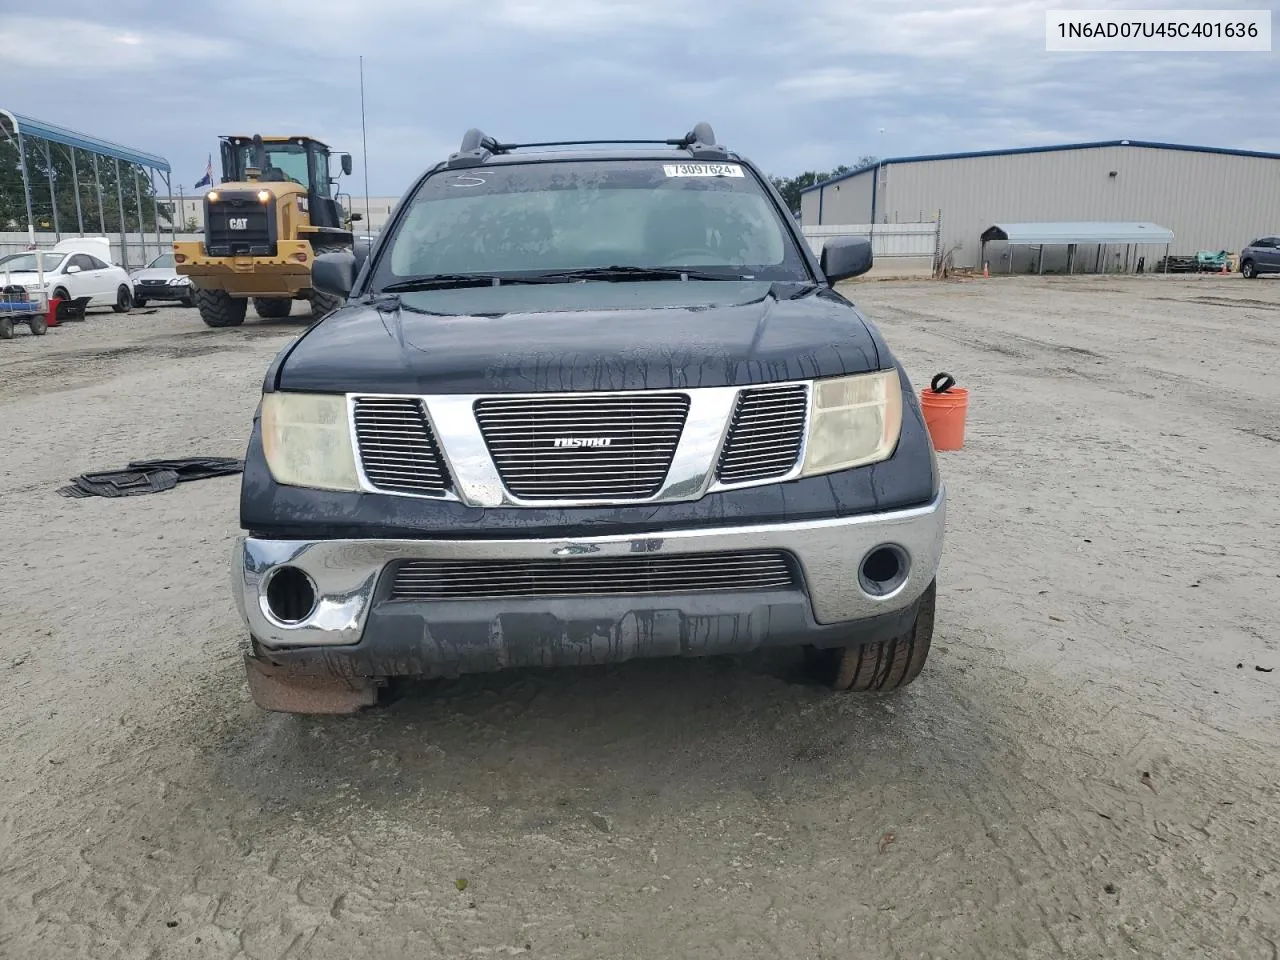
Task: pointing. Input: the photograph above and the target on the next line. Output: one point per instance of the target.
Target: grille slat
(220, 235)
(643, 431)
(765, 434)
(397, 448)
(428, 580)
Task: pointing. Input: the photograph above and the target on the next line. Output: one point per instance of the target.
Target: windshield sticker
(702, 169)
(465, 181)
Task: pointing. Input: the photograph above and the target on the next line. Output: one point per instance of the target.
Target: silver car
(158, 280)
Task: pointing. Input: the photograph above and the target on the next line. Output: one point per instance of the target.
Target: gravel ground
(1088, 766)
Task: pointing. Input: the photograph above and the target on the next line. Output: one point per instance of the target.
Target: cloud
(80, 48)
(836, 83)
(795, 88)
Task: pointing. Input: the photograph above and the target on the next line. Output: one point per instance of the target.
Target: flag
(208, 175)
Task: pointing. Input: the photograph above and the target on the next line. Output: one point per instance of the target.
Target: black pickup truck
(585, 402)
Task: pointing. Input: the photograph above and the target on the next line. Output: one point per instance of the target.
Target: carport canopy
(21, 131)
(1078, 232)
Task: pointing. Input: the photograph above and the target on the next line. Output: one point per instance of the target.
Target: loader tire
(323, 304)
(272, 308)
(219, 309)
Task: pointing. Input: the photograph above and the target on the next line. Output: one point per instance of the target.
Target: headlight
(180, 279)
(307, 441)
(854, 421)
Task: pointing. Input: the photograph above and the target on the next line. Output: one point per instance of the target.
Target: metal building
(1211, 198)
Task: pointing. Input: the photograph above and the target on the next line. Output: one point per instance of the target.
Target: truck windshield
(289, 158)
(557, 216)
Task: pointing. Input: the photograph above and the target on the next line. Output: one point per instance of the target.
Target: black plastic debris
(149, 476)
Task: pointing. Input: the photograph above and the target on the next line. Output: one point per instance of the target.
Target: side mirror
(334, 273)
(355, 216)
(73, 269)
(845, 257)
(346, 164)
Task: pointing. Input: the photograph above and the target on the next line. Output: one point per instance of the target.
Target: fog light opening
(884, 570)
(291, 595)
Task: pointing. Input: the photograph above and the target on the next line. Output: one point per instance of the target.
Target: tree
(135, 186)
(790, 187)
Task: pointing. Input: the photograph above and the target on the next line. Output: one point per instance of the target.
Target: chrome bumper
(346, 573)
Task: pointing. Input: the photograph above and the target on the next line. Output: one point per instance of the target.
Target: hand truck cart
(19, 304)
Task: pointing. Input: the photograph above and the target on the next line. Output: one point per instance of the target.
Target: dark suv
(585, 403)
(1261, 256)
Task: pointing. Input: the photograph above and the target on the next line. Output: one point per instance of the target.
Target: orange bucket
(945, 406)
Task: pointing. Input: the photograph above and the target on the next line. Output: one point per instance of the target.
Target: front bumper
(288, 272)
(355, 626)
(166, 291)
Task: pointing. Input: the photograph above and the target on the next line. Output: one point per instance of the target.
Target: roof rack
(477, 146)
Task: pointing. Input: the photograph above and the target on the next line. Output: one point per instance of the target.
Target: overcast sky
(794, 91)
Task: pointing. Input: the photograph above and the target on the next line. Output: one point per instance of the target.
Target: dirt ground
(1088, 766)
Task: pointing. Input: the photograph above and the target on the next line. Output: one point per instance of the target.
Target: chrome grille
(397, 449)
(609, 576)
(532, 442)
(764, 434)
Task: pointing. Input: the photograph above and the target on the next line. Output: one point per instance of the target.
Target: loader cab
(300, 160)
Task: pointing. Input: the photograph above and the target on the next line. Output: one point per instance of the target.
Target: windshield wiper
(440, 281)
(792, 289)
(443, 281)
(630, 273)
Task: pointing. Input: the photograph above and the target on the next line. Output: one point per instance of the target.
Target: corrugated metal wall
(892, 241)
(1210, 201)
(847, 201)
(809, 207)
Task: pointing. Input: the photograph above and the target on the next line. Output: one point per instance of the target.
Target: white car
(158, 280)
(78, 271)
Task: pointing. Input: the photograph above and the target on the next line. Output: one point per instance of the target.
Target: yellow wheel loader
(273, 213)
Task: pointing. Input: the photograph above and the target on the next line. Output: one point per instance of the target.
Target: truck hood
(581, 336)
(155, 273)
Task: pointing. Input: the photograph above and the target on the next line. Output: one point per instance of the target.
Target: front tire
(219, 309)
(1248, 270)
(878, 667)
(6, 328)
(272, 308)
(38, 324)
(124, 300)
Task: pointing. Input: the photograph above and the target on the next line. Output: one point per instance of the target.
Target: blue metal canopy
(13, 123)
